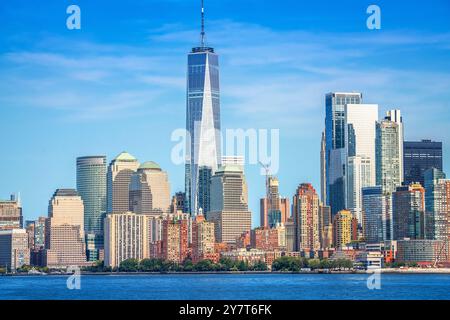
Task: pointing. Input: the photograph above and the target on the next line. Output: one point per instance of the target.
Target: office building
(305, 206)
(389, 152)
(202, 119)
(119, 175)
(11, 214)
(427, 252)
(39, 232)
(437, 205)
(360, 133)
(344, 228)
(150, 190)
(91, 186)
(418, 156)
(377, 215)
(273, 208)
(126, 237)
(229, 204)
(14, 250)
(408, 212)
(335, 154)
(64, 230)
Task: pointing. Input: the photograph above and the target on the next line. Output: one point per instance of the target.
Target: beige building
(150, 190)
(10, 214)
(126, 237)
(120, 171)
(14, 250)
(64, 230)
(229, 205)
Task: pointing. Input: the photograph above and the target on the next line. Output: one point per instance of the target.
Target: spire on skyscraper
(202, 33)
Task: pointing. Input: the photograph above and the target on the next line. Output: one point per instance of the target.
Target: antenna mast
(203, 25)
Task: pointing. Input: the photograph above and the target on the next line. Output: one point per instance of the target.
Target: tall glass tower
(202, 121)
(91, 186)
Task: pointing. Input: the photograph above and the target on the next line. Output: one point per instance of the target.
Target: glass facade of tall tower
(420, 156)
(335, 156)
(202, 120)
(91, 186)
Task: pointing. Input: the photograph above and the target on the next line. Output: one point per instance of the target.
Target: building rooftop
(150, 165)
(230, 168)
(65, 193)
(125, 156)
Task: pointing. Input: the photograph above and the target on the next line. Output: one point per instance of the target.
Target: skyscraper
(437, 205)
(202, 121)
(274, 209)
(64, 238)
(14, 249)
(377, 213)
(408, 212)
(323, 169)
(389, 152)
(150, 190)
(360, 125)
(203, 239)
(120, 171)
(91, 186)
(420, 156)
(175, 238)
(229, 204)
(305, 206)
(344, 225)
(335, 156)
(11, 214)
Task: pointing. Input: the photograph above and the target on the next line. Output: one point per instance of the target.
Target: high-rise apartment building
(150, 190)
(11, 214)
(335, 155)
(203, 240)
(175, 238)
(64, 238)
(119, 175)
(202, 120)
(229, 204)
(418, 156)
(377, 215)
(126, 237)
(360, 133)
(323, 169)
(91, 186)
(14, 249)
(305, 206)
(344, 228)
(389, 152)
(437, 205)
(408, 212)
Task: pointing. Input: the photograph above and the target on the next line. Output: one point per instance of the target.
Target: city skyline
(55, 167)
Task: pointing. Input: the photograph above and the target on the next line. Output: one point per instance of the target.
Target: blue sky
(119, 82)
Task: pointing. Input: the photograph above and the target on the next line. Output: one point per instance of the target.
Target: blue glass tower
(202, 122)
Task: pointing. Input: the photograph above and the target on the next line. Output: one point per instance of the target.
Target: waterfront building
(11, 214)
(250, 256)
(119, 175)
(335, 147)
(14, 249)
(377, 215)
(305, 206)
(408, 212)
(420, 156)
(229, 204)
(427, 252)
(265, 239)
(360, 133)
(91, 186)
(64, 230)
(202, 121)
(389, 152)
(126, 237)
(150, 190)
(437, 205)
(344, 228)
(175, 238)
(203, 240)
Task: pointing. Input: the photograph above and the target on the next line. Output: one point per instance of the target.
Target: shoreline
(443, 271)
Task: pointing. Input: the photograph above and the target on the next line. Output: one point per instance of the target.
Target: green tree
(314, 264)
(129, 265)
(150, 265)
(204, 265)
(259, 266)
(325, 264)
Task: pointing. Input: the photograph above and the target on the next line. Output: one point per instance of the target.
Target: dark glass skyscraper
(420, 156)
(202, 120)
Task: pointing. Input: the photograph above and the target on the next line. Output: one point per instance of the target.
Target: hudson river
(228, 287)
